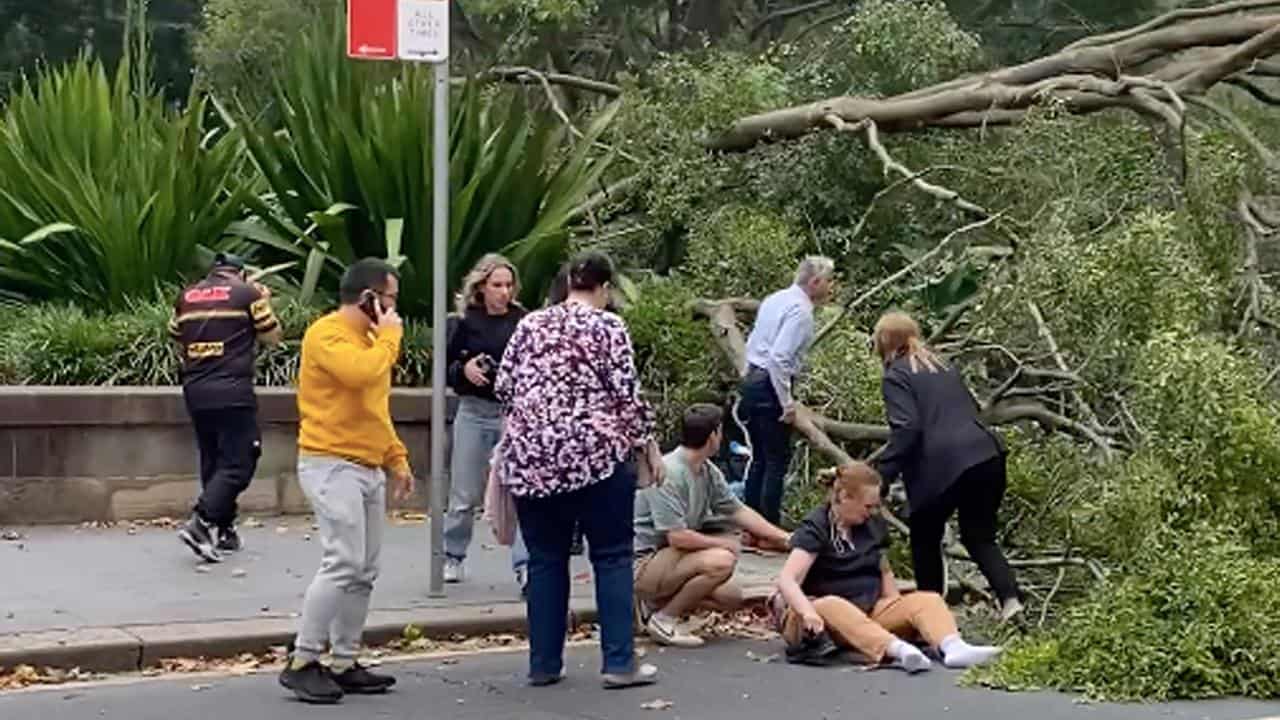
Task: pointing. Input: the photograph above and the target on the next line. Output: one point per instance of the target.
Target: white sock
(907, 657)
(958, 654)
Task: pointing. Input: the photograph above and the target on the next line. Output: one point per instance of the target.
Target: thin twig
(855, 302)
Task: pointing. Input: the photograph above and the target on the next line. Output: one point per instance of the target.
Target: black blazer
(935, 433)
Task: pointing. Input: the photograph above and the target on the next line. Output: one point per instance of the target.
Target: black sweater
(479, 333)
(935, 432)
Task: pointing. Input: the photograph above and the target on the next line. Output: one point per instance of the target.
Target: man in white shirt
(776, 348)
(679, 562)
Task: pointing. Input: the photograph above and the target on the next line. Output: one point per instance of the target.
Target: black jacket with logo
(216, 321)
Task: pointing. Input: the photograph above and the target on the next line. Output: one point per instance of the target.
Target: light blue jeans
(476, 431)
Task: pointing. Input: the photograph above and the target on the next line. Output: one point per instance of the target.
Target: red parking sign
(371, 29)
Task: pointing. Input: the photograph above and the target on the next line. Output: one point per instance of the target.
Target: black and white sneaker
(201, 537)
(229, 540)
(359, 680)
(312, 683)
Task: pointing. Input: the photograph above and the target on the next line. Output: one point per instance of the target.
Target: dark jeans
(229, 445)
(604, 510)
(977, 495)
(770, 445)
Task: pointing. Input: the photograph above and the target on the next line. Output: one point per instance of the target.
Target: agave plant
(349, 173)
(104, 191)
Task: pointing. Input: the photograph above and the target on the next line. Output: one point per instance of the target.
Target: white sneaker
(454, 572)
(665, 631)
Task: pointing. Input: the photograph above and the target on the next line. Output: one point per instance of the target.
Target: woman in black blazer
(948, 459)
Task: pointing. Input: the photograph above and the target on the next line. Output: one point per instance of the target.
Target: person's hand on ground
(813, 623)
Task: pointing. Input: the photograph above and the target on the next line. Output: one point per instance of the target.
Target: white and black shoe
(201, 537)
(229, 540)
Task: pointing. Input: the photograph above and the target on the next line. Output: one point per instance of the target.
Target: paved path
(719, 682)
(146, 589)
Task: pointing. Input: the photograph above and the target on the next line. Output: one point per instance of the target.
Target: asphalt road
(724, 681)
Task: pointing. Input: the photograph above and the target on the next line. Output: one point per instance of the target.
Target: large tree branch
(1087, 79)
(529, 76)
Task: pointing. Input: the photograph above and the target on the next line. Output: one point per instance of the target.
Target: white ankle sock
(907, 657)
(958, 654)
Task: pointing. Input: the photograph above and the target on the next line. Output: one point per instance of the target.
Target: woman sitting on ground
(837, 580)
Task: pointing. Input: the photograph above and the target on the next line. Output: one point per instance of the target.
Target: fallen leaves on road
(26, 676)
(657, 705)
(408, 517)
(254, 523)
(11, 535)
(747, 624)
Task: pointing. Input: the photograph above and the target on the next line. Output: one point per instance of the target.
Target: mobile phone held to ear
(370, 305)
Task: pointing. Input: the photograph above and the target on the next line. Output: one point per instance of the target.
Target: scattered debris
(657, 705)
(239, 573)
(282, 530)
(11, 535)
(254, 523)
(26, 676)
(204, 569)
(198, 688)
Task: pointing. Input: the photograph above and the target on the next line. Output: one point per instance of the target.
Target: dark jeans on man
(230, 445)
(604, 510)
(770, 445)
(977, 495)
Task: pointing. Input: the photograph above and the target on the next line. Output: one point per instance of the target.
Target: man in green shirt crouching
(680, 562)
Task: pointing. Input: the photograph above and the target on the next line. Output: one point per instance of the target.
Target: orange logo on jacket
(199, 296)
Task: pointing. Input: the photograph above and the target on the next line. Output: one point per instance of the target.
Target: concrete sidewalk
(124, 597)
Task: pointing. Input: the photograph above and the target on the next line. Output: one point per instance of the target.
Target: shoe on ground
(312, 683)
(359, 680)
(454, 572)
(666, 632)
(644, 675)
(641, 611)
(201, 537)
(544, 680)
(522, 581)
(229, 541)
(1011, 609)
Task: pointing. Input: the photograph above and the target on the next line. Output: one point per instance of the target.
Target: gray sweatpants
(350, 504)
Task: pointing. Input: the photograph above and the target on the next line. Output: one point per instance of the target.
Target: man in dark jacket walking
(217, 322)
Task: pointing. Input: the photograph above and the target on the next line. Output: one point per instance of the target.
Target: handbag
(499, 505)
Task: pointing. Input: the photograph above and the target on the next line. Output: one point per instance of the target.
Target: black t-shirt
(217, 322)
(853, 573)
(479, 333)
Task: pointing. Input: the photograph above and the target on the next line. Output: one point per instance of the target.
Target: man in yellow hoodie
(347, 450)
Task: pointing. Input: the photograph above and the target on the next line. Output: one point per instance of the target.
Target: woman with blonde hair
(948, 459)
(837, 584)
(487, 317)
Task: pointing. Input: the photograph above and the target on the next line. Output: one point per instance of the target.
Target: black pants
(770, 446)
(977, 496)
(229, 445)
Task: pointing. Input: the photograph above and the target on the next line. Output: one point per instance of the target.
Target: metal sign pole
(439, 291)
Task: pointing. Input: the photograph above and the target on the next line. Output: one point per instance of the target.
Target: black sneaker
(229, 541)
(358, 680)
(200, 536)
(312, 683)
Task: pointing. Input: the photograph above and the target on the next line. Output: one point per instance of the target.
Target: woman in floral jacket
(575, 425)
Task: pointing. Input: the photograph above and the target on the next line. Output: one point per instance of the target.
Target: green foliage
(58, 344)
(1209, 417)
(104, 191)
(683, 98)
(350, 174)
(1195, 615)
(865, 54)
(723, 242)
(675, 356)
(562, 12)
(242, 41)
(843, 380)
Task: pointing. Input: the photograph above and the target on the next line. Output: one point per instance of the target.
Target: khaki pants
(918, 614)
(659, 576)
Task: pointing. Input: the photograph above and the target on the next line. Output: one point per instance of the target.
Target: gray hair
(815, 266)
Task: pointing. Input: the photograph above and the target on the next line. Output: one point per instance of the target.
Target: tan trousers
(658, 577)
(918, 614)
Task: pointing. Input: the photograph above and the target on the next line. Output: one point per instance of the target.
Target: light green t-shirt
(687, 500)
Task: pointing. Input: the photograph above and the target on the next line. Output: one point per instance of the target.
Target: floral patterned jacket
(568, 386)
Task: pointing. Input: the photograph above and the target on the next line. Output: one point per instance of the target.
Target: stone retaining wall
(78, 454)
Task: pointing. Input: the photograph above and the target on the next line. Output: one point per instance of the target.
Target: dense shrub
(64, 345)
(738, 251)
(1194, 615)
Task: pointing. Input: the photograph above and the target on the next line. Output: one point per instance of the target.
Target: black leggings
(977, 495)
